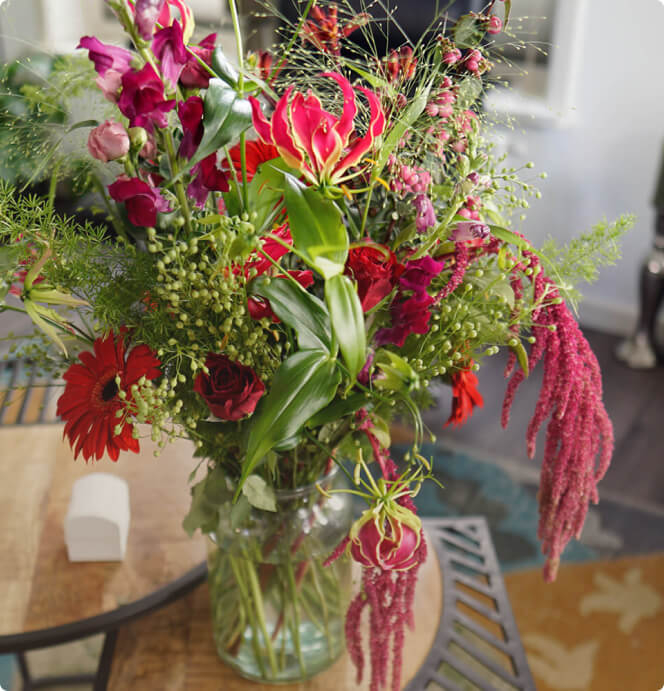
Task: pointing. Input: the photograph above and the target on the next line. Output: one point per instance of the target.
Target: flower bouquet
(297, 245)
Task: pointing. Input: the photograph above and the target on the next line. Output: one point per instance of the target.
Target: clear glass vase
(277, 612)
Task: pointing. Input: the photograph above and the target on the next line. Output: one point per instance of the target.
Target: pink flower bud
(387, 539)
(451, 57)
(494, 25)
(108, 141)
(431, 109)
(445, 111)
(472, 65)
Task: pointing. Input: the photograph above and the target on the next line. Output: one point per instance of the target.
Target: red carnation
(465, 397)
(142, 201)
(376, 270)
(230, 389)
(90, 400)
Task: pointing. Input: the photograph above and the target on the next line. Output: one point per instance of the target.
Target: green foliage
(318, 232)
(580, 259)
(347, 322)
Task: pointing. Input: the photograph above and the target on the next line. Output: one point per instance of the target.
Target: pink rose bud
(495, 25)
(108, 141)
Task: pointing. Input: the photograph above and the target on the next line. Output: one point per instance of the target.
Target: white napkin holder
(97, 521)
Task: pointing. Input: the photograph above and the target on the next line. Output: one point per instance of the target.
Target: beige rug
(599, 627)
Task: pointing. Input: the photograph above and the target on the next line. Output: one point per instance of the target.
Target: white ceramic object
(97, 521)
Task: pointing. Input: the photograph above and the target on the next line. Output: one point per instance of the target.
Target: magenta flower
(191, 118)
(142, 99)
(171, 52)
(110, 62)
(409, 316)
(207, 177)
(141, 200)
(387, 537)
(419, 273)
(193, 75)
(313, 140)
(147, 14)
(426, 216)
(466, 231)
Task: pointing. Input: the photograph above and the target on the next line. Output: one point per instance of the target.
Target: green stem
(115, 222)
(235, 18)
(296, 33)
(257, 598)
(366, 210)
(240, 580)
(179, 187)
(296, 616)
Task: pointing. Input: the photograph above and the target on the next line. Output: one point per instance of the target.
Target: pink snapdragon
(142, 99)
(426, 214)
(194, 75)
(111, 62)
(141, 200)
(312, 140)
(171, 52)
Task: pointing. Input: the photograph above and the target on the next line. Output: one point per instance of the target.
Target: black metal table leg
(105, 661)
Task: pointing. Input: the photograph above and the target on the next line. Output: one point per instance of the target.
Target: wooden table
(44, 598)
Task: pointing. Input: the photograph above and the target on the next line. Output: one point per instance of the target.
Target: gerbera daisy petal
(90, 401)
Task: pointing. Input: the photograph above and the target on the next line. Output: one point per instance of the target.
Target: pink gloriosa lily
(314, 141)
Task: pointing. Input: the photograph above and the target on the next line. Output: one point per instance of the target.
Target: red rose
(376, 270)
(230, 389)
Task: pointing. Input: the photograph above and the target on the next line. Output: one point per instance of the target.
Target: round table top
(39, 587)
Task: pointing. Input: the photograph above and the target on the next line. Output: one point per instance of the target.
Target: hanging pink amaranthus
(579, 429)
(389, 576)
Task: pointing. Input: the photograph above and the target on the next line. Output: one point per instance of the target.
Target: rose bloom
(231, 390)
(108, 141)
(376, 270)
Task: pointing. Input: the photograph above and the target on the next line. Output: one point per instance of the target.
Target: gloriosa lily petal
(311, 139)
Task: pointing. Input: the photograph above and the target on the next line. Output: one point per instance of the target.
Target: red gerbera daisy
(466, 397)
(90, 400)
(257, 152)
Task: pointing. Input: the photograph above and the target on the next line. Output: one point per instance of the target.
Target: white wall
(605, 159)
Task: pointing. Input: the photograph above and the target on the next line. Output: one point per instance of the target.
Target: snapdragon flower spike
(314, 141)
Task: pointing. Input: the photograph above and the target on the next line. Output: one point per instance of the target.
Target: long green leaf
(225, 117)
(223, 68)
(339, 408)
(297, 308)
(317, 228)
(510, 237)
(411, 114)
(347, 319)
(304, 384)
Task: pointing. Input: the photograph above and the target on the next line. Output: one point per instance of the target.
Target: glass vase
(277, 612)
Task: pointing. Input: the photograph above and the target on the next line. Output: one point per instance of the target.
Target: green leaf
(521, 356)
(397, 374)
(317, 228)
(414, 110)
(467, 32)
(337, 409)
(222, 67)
(81, 124)
(297, 308)
(508, 9)
(347, 320)
(225, 117)
(207, 498)
(240, 512)
(304, 384)
(510, 237)
(259, 494)
(265, 192)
